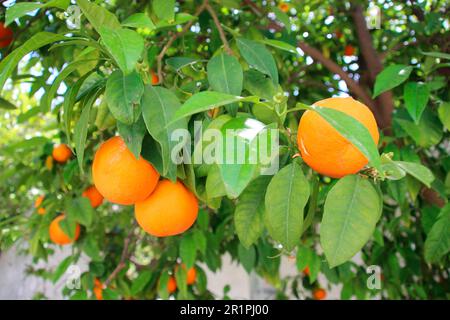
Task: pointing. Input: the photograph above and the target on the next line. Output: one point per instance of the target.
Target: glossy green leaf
(225, 75)
(188, 250)
(257, 55)
(258, 84)
(133, 135)
(351, 211)
(207, 100)
(249, 213)
(126, 46)
(40, 39)
(437, 243)
(20, 9)
(180, 62)
(80, 210)
(418, 171)
(123, 95)
(141, 281)
(164, 9)
(416, 97)
(286, 197)
(98, 16)
(426, 133)
(391, 77)
(158, 108)
(280, 45)
(62, 267)
(247, 257)
(139, 20)
(444, 114)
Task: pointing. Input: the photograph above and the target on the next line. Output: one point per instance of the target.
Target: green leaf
(8, 64)
(286, 197)
(178, 63)
(62, 267)
(133, 135)
(427, 132)
(126, 46)
(258, 84)
(249, 213)
(214, 184)
(283, 18)
(19, 10)
(5, 104)
(81, 128)
(247, 257)
(258, 57)
(444, 114)
(162, 285)
(141, 281)
(440, 55)
(80, 210)
(437, 243)
(354, 131)
(418, 171)
(207, 100)
(164, 9)
(280, 45)
(180, 18)
(158, 107)
(304, 257)
(139, 20)
(98, 16)
(390, 78)
(351, 211)
(416, 97)
(188, 250)
(225, 75)
(123, 95)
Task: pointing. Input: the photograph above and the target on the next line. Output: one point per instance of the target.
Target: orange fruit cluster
(162, 208)
(323, 148)
(191, 276)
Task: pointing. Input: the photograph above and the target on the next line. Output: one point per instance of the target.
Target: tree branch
(174, 37)
(226, 45)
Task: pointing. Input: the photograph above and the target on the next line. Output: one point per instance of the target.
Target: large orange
(57, 235)
(171, 209)
(61, 153)
(37, 205)
(93, 195)
(119, 176)
(6, 36)
(324, 149)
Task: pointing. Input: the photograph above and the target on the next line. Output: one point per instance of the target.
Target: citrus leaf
(133, 135)
(247, 257)
(390, 78)
(280, 45)
(286, 197)
(188, 250)
(416, 97)
(249, 213)
(257, 55)
(437, 243)
(141, 281)
(62, 267)
(139, 20)
(164, 9)
(418, 171)
(351, 211)
(444, 114)
(19, 10)
(80, 210)
(5, 104)
(158, 107)
(123, 95)
(98, 16)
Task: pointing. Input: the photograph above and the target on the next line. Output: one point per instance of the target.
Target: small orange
(306, 271)
(119, 176)
(155, 79)
(49, 162)
(319, 294)
(98, 289)
(93, 195)
(170, 210)
(349, 50)
(171, 285)
(61, 153)
(283, 7)
(324, 149)
(57, 235)
(191, 274)
(37, 204)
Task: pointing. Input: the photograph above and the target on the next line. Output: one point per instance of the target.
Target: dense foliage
(83, 72)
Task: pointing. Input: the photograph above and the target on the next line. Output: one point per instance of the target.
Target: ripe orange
(93, 195)
(37, 204)
(57, 235)
(319, 294)
(119, 176)
(6, 36)
(349, 50)
(61, 153)
(171, 285)
(323, 148)
(306, 271)
(283, 7)
(171, 209)
(98, 289)
(191, 274)
(155, 79)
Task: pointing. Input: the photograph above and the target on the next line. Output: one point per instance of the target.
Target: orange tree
(367, 176)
